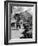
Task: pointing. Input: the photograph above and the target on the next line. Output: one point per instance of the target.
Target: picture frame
(9, 6)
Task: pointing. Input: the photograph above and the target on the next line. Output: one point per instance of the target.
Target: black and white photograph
(20, 22)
